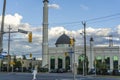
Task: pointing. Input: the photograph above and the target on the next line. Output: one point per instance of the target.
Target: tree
(24, 57)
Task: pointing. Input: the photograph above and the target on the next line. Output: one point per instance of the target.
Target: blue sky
(64, 16)
(68, 11)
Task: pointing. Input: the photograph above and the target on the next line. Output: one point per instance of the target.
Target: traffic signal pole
(21, 31)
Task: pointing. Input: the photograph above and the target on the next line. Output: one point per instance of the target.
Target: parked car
(53, 71)
(61, 70)
(116, 72)
(109, 72)
(92, 71)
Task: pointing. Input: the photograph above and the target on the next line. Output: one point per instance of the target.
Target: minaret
(110, 40)
(45, 35)
(91, 55)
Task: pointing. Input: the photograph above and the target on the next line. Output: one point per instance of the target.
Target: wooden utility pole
(85, 61)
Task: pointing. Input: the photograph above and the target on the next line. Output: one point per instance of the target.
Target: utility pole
(2, 27)
(8, 65)
(85, 63)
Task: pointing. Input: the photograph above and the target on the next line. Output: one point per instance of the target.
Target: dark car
(92, 71)
(116, 72)
(53, 71)
(61, 70)
(109, 72)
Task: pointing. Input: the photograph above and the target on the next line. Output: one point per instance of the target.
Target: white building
(62, 56)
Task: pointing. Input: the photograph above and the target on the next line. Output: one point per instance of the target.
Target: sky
(102, 18)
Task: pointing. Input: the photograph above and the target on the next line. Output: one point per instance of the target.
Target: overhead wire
(108, 16)
(93, 20)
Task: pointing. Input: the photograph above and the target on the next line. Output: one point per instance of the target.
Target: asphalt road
(52, 76)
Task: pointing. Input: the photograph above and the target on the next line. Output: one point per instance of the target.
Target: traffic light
(66, 54)
(71, 41)
(30, 55)
(30, 37)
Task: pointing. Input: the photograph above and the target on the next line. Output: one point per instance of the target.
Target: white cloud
(24, 47)
(12, 19)
(54, 6)
(98, 31)
(118, 29)
(84, 7)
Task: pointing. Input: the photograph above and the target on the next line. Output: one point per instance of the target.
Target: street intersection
(53, 76)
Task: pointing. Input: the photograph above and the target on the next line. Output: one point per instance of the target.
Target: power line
(104, 17)
(107, 19)
(113, 16)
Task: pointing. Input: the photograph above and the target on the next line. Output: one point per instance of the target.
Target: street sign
(22, 31)
(1, 56)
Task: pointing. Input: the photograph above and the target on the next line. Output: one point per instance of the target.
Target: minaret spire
(45, 1)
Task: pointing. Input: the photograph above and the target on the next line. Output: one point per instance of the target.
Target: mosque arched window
(67, 63)
(107, 61)
(115, 62)
(52, 62)
(60, 62)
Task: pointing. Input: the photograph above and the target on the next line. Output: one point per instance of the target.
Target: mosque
(64, 55)
(71, 57)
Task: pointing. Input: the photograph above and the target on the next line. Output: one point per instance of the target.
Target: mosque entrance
(107, 62)
(80, 64)
(67, 63)
(52, 62)
(60, 63)
(115, 62)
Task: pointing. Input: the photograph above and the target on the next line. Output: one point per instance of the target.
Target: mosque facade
(63, 56)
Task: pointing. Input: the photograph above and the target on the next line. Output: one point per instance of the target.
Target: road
(52, 76)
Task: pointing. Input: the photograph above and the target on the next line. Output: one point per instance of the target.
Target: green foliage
(17, 64)
(24, 57)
